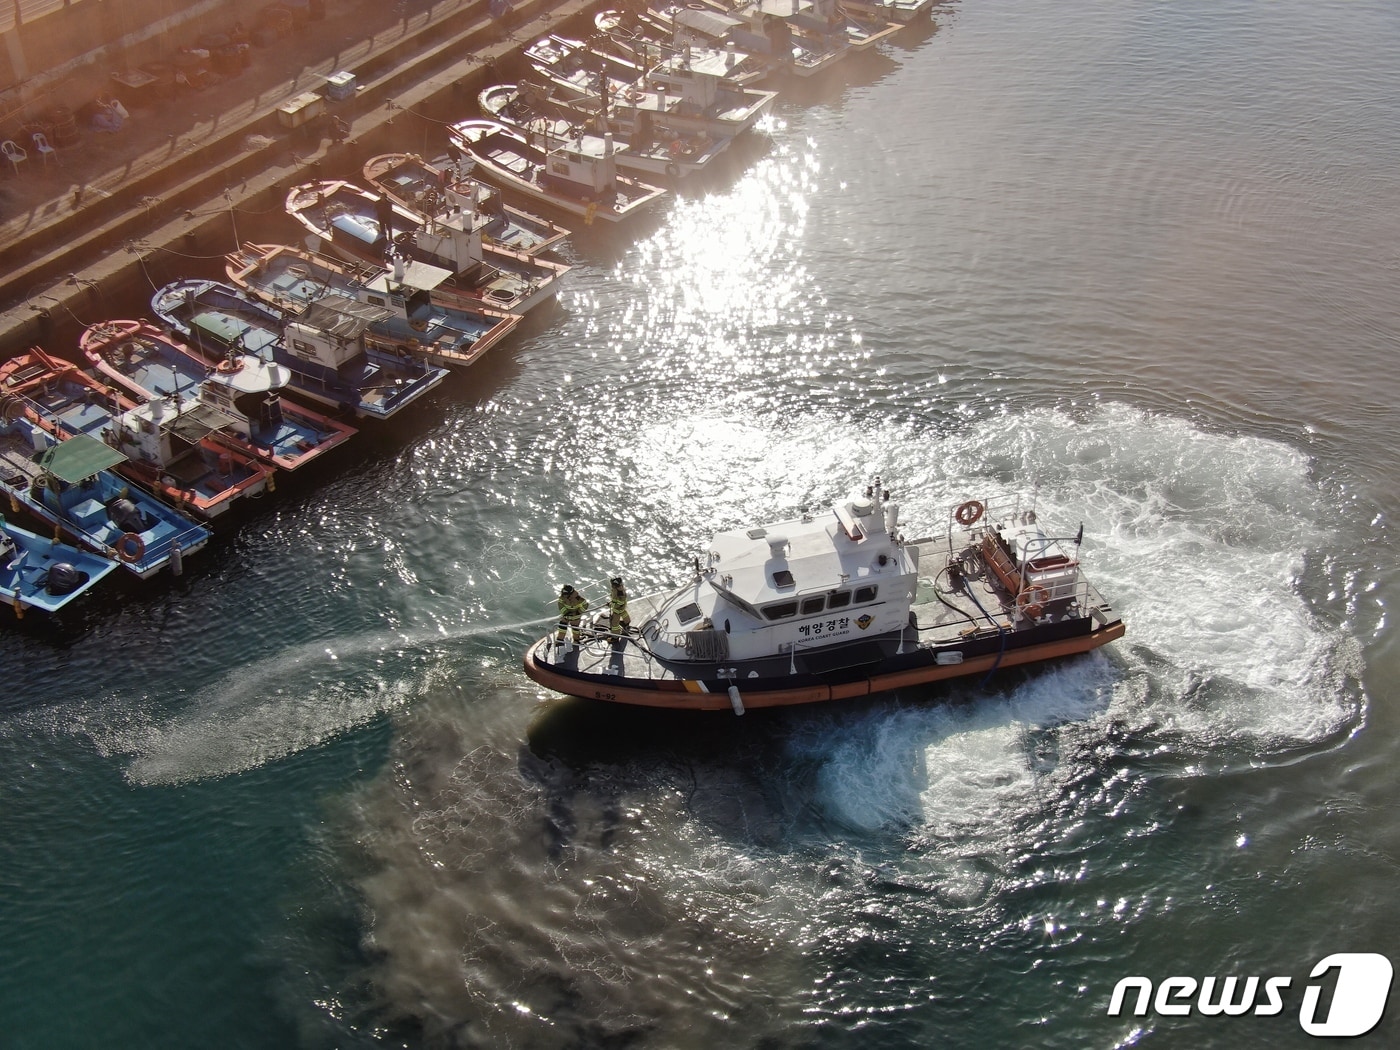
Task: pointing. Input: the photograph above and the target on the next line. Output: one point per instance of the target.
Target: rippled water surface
(1138, 258)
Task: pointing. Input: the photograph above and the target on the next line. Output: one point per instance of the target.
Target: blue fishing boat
(150, 364)
(43, 574)
(69, 485)
(167, 448)
(324, 347)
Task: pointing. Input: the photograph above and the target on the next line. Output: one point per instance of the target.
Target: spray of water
(284, 703)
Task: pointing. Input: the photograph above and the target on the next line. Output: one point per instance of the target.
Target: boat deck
(939, 617)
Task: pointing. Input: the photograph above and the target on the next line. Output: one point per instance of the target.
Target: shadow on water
(586, 749)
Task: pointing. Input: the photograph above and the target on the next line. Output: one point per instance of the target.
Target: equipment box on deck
(340, 85)
(297, 111)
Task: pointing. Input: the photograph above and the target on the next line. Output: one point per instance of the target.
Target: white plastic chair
(13, 153)
(41, 143)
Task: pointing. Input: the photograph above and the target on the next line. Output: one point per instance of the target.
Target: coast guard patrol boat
(837, 605)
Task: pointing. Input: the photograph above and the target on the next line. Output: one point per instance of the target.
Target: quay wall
(84, 255)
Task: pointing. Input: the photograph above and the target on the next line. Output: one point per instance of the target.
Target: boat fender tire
(131, 547)
(1032, 601)
(673, 170)
(969, 513)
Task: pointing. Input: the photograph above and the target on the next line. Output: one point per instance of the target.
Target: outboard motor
(64, 578)
(126, 516)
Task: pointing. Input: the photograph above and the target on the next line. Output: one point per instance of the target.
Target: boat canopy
(343, 317)
(711, 23)
(79, 458)
(193, 422)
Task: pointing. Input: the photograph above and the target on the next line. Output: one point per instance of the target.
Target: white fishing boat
(902, 11)
(652, 149)
(835, 605)
(363, 227)
(579, 177)
(646, 36)
(689, 90)
(420, 185)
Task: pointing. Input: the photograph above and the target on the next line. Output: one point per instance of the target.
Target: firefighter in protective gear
(619, 618)
(572, 606)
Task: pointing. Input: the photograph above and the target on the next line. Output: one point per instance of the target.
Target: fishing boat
(647, 35)
(901, 11)
(652, 149)
(569, 60)
(573, 175)
(354, 224)
(69, 486)
(839, 604)
(43, 574)
(418, 185)
(807, 44)
(452, 334)
(323, 347)
(688, 91)
(167, 447)
(149, 364)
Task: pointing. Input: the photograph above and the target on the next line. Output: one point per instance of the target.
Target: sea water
(1136, 260)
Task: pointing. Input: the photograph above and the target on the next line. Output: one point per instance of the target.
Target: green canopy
(78, 458)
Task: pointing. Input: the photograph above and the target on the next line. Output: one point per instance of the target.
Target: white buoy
(735, 701)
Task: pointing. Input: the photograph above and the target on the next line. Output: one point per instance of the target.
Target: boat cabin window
(866, 594)
(838, 599)
(813, 605)
(780, 610)
(688, 613)
(376, 300)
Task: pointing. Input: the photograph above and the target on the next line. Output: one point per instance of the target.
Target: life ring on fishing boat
(131, 547)
(673, 170)
(969, 513)
(228, 366)
(633, 95)
(1032, 601)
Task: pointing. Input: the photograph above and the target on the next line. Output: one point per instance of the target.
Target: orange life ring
(228, 366)
(126, 552)
(1032, 601)
(969, 513)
